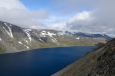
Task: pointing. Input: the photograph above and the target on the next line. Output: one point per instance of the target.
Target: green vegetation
(46, 45)
(2, 49)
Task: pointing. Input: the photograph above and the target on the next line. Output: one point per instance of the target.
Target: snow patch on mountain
(26, 41)
(10, 31)
(43, 33)
(78, 38)
(41, 40)
(0, 39)
(26, 47)
(51, 34)
(61, 33)
(27, 32)
(20, 42)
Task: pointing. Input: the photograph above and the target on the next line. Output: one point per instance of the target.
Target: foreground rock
(99, 62)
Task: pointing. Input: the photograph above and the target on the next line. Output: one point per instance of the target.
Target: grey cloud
(98, 17)
(101, 19)
(41, 14)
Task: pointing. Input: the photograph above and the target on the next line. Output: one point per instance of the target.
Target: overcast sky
(89, 16)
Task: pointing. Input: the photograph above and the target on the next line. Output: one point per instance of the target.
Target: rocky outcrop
(99, 62)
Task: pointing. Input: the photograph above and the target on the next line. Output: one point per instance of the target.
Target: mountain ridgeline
(15, 39)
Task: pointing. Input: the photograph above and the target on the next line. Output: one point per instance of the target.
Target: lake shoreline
(44, 48)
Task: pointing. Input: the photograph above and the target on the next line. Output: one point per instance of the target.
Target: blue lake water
(40, 62)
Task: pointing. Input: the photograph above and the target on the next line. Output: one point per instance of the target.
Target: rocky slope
(99, 62)
(16, 39)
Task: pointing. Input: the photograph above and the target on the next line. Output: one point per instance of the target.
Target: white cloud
(10, 4)
(56, 23)
(13, 11)
(57, 26)
(80, 17)
(93, 16)
(99, 20)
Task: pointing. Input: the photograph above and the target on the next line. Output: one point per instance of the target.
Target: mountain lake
(40, 62)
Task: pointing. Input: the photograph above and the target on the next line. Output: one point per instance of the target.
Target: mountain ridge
(15, 39)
